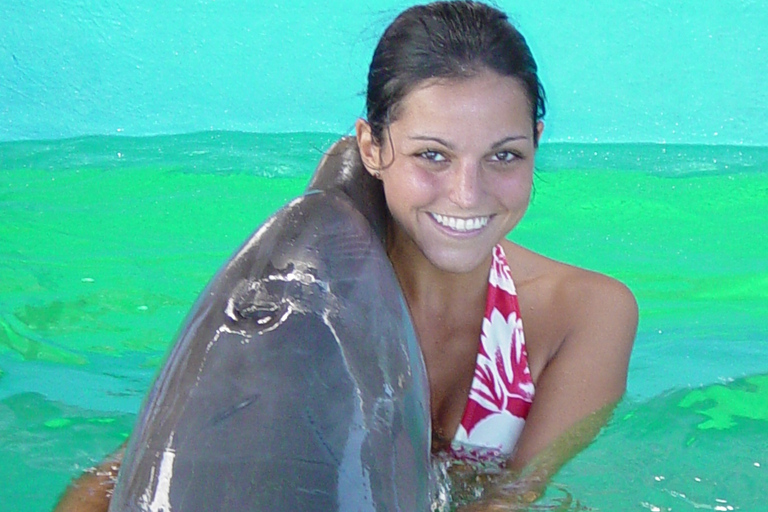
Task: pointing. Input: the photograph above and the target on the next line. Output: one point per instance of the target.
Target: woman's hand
(92, 491)
(516, 490)
(511, 503)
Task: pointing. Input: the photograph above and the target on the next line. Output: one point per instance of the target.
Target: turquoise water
(106, 241)
(682, 71)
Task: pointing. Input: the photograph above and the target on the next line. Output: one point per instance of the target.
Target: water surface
(105, 243)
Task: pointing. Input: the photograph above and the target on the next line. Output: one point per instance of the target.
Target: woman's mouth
(461, 224)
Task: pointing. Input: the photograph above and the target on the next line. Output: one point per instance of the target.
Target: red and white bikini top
(502, 389)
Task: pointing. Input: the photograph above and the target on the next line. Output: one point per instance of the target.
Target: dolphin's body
(296, 383)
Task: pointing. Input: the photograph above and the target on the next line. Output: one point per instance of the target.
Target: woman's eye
(432, 156)
(504, 156)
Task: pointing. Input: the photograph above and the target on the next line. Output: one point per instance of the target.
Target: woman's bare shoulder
(583, 296)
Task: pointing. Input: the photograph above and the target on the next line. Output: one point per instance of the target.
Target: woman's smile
(469, 225)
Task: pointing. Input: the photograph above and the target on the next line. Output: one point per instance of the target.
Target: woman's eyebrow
(511, 138)
(443, 142)
(429, 138)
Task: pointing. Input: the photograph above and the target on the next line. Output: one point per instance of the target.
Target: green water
(106, 242)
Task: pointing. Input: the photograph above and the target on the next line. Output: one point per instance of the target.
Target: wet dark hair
(446, 40)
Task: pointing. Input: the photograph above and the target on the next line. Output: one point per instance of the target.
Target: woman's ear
(539, 131)
(370, 152)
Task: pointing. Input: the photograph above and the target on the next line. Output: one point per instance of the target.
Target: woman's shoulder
(584, 299)
(566, 278)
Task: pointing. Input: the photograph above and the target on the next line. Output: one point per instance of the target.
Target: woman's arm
(92, 491)
(575, 393)
(588, 371)
(515, 489)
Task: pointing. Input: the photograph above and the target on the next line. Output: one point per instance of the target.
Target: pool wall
(674, 71)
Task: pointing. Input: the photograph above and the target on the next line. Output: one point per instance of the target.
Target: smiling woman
(454, 120)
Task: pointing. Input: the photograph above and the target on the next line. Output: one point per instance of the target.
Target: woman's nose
(465, 184)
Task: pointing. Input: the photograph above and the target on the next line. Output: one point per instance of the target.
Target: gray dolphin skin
(296, 382)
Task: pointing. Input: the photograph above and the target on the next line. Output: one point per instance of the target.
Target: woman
(454, 120)
(454, 109)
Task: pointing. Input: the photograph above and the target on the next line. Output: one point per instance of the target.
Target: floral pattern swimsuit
(502, 388)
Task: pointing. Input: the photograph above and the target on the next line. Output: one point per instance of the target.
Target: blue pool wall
(674, 71)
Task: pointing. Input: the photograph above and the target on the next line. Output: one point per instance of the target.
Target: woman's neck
(427, 287)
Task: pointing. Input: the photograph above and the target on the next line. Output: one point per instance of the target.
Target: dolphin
(296, 383)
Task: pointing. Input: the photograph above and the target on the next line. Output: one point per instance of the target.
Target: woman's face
(457, 167)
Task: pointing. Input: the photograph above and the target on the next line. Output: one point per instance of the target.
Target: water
(105, 242)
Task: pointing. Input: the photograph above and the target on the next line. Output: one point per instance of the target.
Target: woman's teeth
(459, 224)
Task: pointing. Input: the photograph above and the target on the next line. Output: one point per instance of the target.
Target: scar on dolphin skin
(320, 437)
(234, 409)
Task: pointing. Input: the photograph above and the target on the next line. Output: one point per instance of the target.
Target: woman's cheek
(412, 184)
